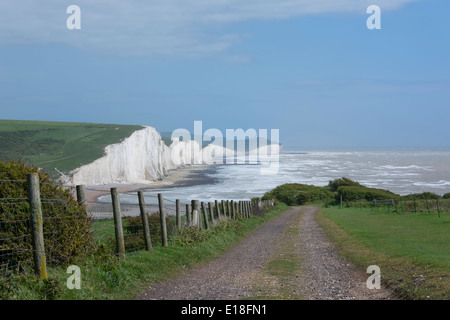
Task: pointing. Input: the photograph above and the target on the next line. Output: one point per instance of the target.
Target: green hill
(61, 145)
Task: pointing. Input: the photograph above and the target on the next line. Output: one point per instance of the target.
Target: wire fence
(43, 224)
(15, 242)
(103, 226)
(403, 206)
(177, 214)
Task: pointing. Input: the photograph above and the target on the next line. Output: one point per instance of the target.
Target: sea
(402, 172)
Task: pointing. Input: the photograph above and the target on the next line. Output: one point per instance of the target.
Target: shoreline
(181, 177)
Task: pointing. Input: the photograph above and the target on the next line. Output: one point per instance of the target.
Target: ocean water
(402, 172)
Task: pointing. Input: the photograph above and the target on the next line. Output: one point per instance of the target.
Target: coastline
(181, 177)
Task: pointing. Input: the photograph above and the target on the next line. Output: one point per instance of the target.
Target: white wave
(391, 167)
(439, 184)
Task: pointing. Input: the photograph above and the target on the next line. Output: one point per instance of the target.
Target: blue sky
(309, 68)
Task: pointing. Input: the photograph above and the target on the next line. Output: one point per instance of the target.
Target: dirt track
(237, 273)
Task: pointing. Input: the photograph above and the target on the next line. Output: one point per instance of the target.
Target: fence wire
(133, 230)
(16, 253)
(428, 206)
(62, 222)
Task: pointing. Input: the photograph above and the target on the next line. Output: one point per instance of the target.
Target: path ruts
(232, 276)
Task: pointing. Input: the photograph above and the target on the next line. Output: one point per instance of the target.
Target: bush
(354, 193)
(342, 182)
(302, 198)
(446, 196)
(422, 196)
(298, 194)
(66, 225)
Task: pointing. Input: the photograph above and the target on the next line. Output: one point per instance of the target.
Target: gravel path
(325, 274)
(234, 274)
(230, 276)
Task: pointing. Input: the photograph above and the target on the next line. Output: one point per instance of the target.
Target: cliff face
(140, 158)
(143, 157)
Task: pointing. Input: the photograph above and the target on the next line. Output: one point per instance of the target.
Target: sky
(309, 68)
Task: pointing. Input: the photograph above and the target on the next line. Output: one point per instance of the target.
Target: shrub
(65, 224)
(302, 198)
(342, 182)
(353, 193)
(289, 193)
(422, 196)
(446, 196)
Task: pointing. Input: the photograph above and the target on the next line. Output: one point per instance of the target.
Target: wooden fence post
(238, 209)
(188, 214)
(81, 196)
(211, 213)
(37, 229)
(120, 243)
(193, 221)
(162, 217)
(205, 216)
(196, 214)
(217, 209)
(233, 210)
(178, 217)
(224, 209)
(144, 218)
(437, 206)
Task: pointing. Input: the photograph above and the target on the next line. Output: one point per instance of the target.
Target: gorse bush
(302, 198)
(354, 193)
(342, 182)
(65, 223)
(345, 188)
(298, 194)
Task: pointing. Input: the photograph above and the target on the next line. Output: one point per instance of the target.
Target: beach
(181, 177)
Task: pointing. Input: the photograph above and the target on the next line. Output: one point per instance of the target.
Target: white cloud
(146, 27)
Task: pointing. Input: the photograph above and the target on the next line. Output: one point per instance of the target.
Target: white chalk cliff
(144, 157)
(141, 158)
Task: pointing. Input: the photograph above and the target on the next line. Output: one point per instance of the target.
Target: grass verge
(105, 277)
(411, 249)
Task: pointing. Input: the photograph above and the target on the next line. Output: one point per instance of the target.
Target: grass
(104, 276)
(412, 249)
(61, 145)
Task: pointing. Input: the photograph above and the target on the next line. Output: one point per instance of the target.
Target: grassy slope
(412, 250)
(62, 145)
